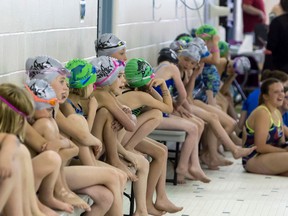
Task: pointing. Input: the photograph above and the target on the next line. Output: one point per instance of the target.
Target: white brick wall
(37, 27)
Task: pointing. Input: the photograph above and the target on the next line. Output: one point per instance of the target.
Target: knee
(192, 129)
(51, 158)
(157, 114)
(143, 163)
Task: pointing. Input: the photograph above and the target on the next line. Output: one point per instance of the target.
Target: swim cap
(184, 37)
(206, 32)
(224, 48)
(37, 68)
(43, 94)
(192, 51)
(169, 54)
(108, 69)
(107, 44)
(177, 46)
(241, 65)
(138, 72)
(204, 52)
(83, 73)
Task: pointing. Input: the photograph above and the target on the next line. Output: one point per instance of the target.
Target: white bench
(170, 136)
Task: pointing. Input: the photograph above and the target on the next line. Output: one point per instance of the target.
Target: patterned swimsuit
(273, 138)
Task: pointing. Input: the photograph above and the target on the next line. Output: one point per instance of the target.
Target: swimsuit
(79, 110)
(273, 138)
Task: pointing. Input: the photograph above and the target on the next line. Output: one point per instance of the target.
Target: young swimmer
(188, 165)
(264, 129)
(103, 185)
(107, 87)
(83, 76)
(16, 106)
(43, 122)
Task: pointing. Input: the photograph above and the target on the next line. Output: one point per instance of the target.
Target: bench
(165, 136)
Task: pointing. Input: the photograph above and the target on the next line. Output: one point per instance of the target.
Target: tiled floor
(232, 192)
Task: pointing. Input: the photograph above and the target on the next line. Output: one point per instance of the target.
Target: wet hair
(277, 74)
(264, 90)
(15, 105)
(284, 5)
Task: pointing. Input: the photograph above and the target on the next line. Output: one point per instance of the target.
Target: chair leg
(176, 163)
(131, 199)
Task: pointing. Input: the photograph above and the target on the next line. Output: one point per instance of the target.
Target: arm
(116, 109)
(76, 132)
(191, 84)
(214, 56)
(92, 108)
(182, 93)
(249, 9)
(34, 140)
(228, 82)
(9, 144)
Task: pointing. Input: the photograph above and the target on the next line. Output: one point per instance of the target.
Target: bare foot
(53, 203)
(205, 158)
(153, 211)
(124, 168)
(239, 152)
(199, 175)
(46, 210)
(71, 198)
(167, 206)
(183, 174)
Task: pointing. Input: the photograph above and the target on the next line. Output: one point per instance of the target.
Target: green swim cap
(138, 72)
(224, 48)
(82, 73)
(206, 32)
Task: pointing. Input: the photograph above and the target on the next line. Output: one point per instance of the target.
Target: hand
(198, 69)
(154, 83)
(116, 126)
(262, 16)
(183, 112)
(127, 110)
(215, 39)
(97, 148)
(131, 158)
(54, 145)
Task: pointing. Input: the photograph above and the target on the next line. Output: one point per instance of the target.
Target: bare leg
(210, 155)
(190, 143)
(220, 133)
(269, 164)
(146, 123)
(159, 154)
(140, 186)
(79, 177)
(29, 194)
(102, 197)
(46, 168)
(103, 130)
